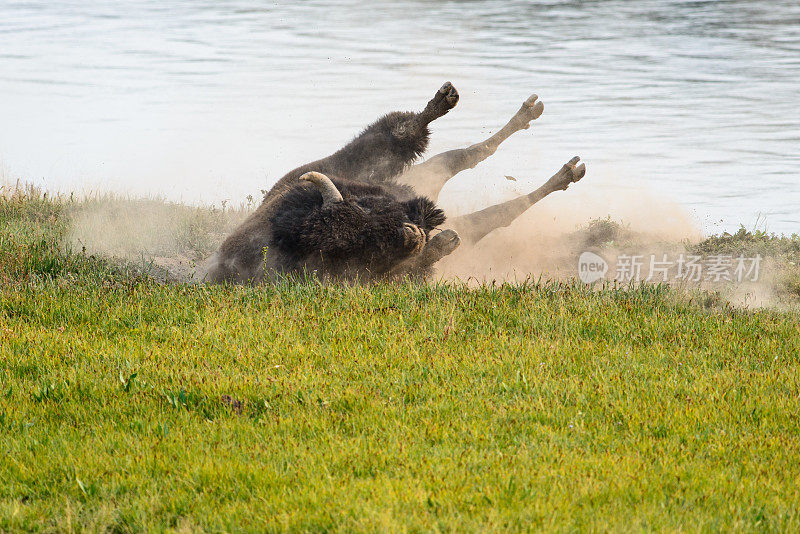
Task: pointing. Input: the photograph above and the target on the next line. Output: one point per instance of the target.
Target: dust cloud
(168, 240)
(550, 236)
(548, 239)
(164, 239)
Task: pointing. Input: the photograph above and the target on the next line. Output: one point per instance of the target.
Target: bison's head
(351, 226)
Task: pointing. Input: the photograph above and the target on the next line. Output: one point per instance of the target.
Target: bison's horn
(329, 192)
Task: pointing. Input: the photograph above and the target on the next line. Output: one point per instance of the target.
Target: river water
(693, 103)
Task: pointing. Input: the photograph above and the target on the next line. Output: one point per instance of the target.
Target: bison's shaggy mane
(366, 226)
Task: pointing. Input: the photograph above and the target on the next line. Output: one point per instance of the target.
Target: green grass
(128, 405)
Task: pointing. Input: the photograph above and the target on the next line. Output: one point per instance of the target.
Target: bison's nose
(414, 237)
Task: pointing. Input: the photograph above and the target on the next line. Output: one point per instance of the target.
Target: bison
(368, 212)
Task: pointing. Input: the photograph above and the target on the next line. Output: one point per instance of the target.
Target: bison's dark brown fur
(358, 214)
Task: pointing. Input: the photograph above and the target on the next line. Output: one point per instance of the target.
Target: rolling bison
(367, 212)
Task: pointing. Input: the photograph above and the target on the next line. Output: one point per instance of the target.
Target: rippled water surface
(693, 102)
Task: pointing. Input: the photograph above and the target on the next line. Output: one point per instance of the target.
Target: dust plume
(167, 240)
(548, 238)
(164, 239)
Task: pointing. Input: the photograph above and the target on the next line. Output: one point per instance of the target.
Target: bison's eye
(362, 207)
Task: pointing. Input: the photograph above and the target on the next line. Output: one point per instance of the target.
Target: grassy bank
(130, 405)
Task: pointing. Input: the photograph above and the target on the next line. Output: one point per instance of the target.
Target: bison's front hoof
(442, 244)
(450, 95)
(443, 101)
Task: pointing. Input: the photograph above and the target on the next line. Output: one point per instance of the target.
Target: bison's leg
(393, 142)
(383, 149)
(420, 265)
(443, 101)
(473, 227)
(429, 177)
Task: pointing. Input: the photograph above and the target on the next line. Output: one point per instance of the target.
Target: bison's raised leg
(393, 142)
(384, 149)
(429, 177)
(473, 227)
(420, 265)
(443, 101)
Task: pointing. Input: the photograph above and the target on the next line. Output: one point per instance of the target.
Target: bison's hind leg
(474, 226)
(429, 177)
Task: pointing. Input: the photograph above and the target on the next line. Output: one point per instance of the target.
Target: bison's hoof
(530, 110)
(569, 173)
(443, 243)
(445, 99)
(448, 91)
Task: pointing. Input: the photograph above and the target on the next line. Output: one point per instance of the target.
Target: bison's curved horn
(329, 192)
